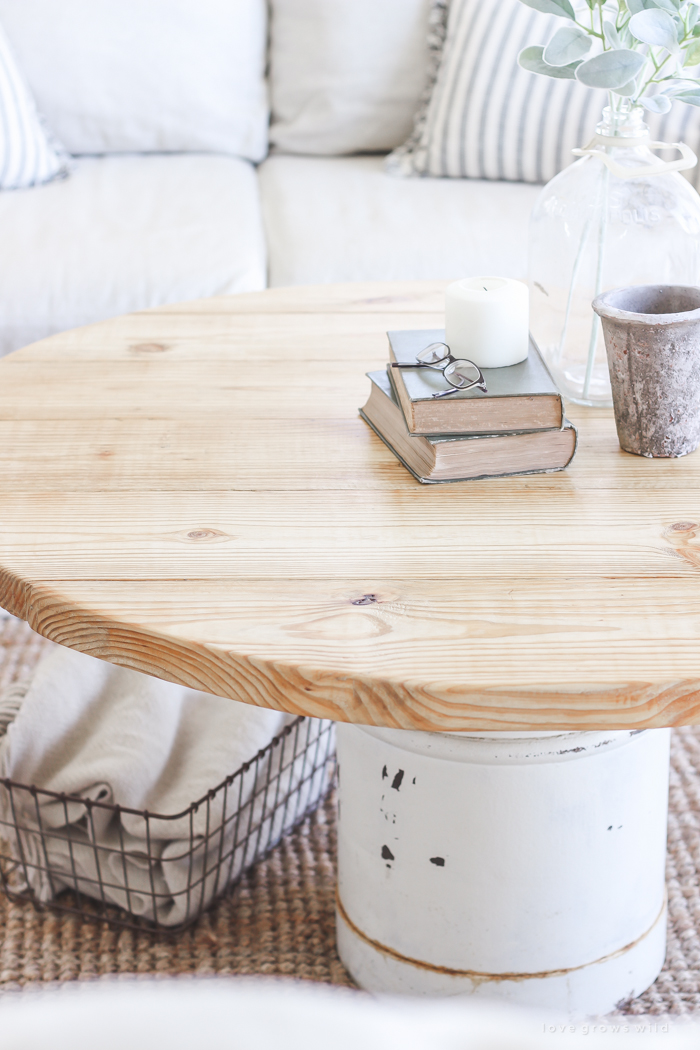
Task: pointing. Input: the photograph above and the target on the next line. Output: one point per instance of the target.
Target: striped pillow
(28, 157)
(483, 117)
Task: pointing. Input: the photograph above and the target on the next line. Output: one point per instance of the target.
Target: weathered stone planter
(652, 339)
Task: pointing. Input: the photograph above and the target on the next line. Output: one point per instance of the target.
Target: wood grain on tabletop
(190, 491)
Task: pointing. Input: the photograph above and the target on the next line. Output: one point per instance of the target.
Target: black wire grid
(237, 823)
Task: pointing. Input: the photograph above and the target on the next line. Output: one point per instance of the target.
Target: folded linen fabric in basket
(112, 735)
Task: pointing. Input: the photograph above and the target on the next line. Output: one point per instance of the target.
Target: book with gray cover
(520, 397)
(461, 457)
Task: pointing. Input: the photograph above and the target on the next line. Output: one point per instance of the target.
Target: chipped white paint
(527, 866)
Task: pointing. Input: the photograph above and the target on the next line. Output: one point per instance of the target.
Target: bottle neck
(622, 143)
(622, 125)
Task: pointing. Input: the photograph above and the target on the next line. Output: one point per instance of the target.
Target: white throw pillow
(28, 157)
(346, 76)
(116, 76)
(486, 118)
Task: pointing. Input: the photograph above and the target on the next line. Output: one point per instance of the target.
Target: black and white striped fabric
(28, 157)
(486, 118)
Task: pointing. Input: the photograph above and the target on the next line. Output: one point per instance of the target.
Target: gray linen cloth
(91, 729)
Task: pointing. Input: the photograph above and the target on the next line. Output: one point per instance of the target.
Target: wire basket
(73, 854)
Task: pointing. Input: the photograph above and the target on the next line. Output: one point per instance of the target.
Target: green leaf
(691, 98)
(674, 87)
(530, 58)
(569, 44)
(635, 6)
(611, 35)
(626, 38)
(562, 8)
(656, 28)
(692, 53)
(627, 90)
(611, 70)
(657, 103)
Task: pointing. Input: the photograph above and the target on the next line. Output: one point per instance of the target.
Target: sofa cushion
(146, 75)
(27, 156)
(124, 233)
(345, 219)
(346, 76)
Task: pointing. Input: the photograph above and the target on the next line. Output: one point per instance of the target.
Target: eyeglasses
(459, 373)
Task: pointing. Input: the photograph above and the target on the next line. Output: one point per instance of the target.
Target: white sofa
(179, 189)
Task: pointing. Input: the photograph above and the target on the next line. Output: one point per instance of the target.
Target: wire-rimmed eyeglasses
(459, 373)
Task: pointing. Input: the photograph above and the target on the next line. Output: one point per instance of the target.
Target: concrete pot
(652, 339)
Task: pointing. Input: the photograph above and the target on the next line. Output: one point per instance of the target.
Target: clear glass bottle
(620, 216)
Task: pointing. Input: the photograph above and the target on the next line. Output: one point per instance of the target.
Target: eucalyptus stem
(572, 287)
(595, 325)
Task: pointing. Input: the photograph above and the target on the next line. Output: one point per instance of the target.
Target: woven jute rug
(279, 919)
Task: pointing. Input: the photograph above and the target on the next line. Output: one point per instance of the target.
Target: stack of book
(517, 427)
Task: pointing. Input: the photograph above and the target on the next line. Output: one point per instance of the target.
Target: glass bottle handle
(687, 159)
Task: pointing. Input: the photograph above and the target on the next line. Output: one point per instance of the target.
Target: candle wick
(485, 288)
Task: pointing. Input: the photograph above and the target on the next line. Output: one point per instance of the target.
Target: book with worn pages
(520, 397)
(433, 458)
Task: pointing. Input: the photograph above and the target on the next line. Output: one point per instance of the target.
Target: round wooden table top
(190, 491)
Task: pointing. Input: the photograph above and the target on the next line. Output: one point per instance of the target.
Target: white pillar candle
(487, 320)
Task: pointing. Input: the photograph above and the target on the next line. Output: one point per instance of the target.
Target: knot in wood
(148, 348)
(366, 599)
